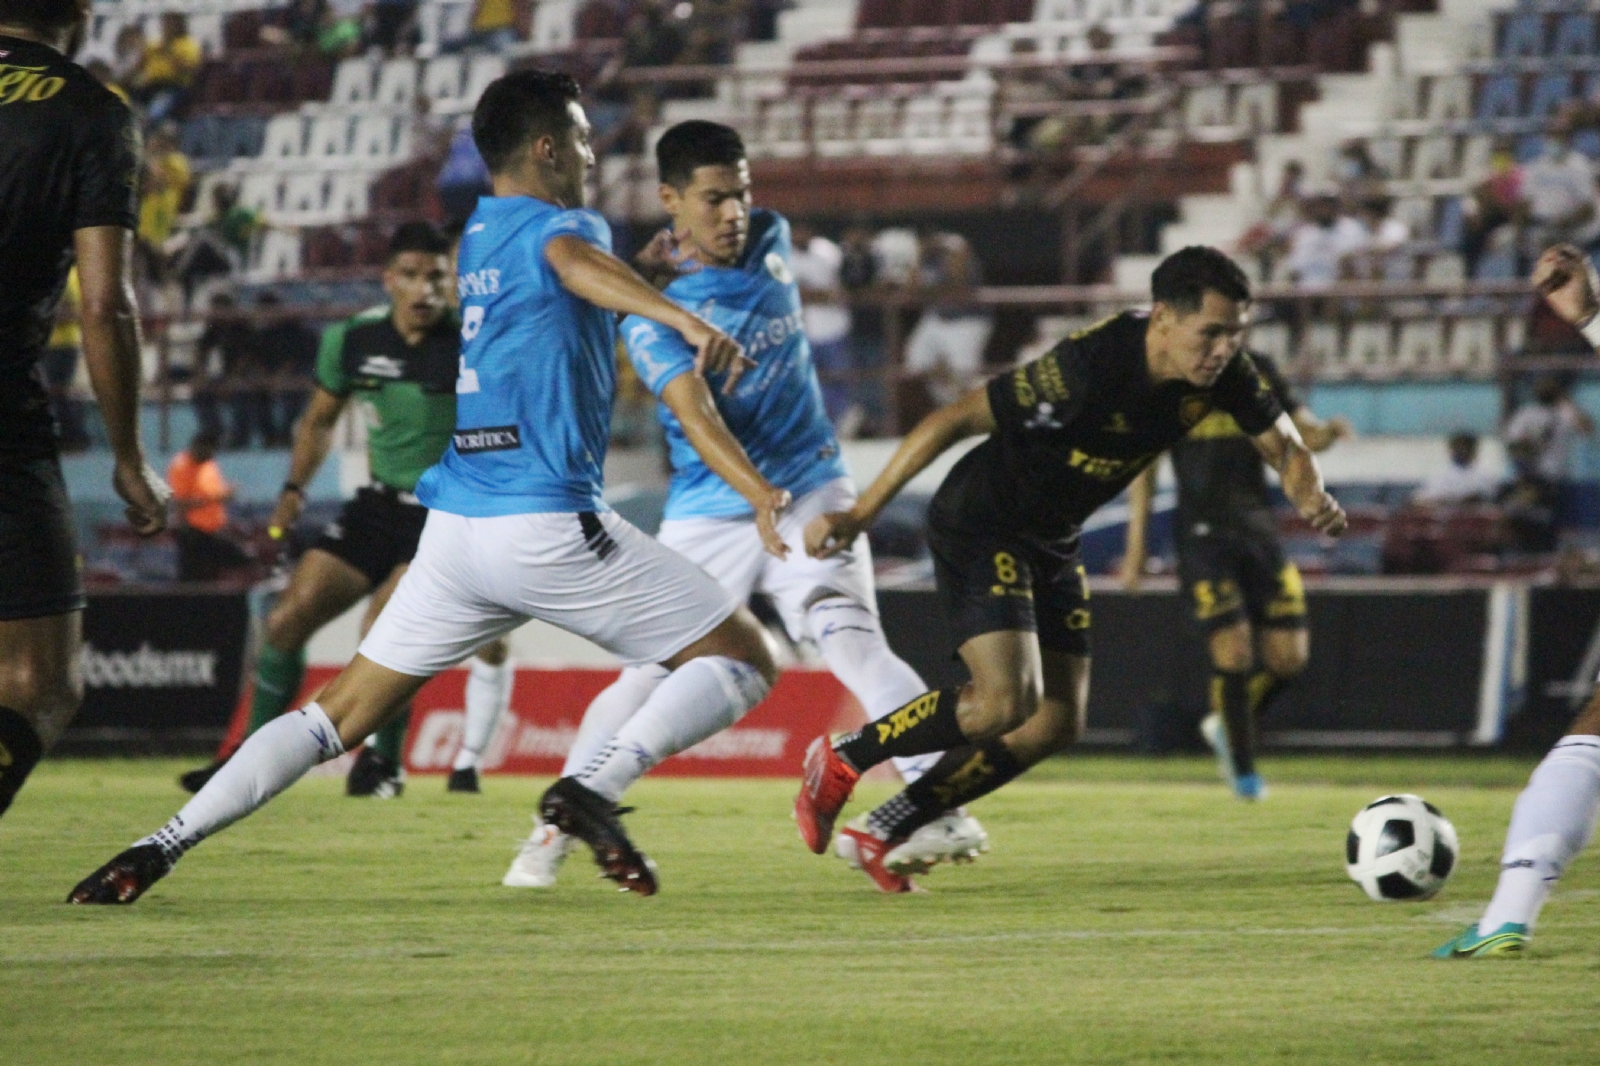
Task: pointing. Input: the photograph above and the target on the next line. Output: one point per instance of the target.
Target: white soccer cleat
(955, 837)
(538, 858)
(1216, 735)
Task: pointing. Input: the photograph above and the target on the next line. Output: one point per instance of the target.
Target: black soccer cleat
(463, 780)
(195, 780)
(593, 819)
(374, 775)
(123, 879)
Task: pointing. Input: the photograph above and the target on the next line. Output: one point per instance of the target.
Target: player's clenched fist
(1566, 279)
(716, 352)
(830, 534)
(1327, 516)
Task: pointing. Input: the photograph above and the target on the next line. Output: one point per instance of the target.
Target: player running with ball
(1067, 433)
(517, 527)
(1555, 815)
(732, 263)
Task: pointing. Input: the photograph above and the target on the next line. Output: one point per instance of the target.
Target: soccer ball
(1400, 847)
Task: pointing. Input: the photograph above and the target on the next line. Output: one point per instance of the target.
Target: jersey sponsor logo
(778, 269)
(1193, 409)
(382, 366)
(148, 668)
(485, 282)
(27, 84)
(487, 439)
(1104, 469)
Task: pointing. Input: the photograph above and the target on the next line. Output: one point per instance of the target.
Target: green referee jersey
(407, 393)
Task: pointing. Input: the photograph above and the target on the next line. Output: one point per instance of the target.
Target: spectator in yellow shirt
(166, 182)
(168, 69)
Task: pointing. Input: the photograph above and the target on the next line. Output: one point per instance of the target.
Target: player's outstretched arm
(1318, 435)
(1140, 494)
(1286, 453)
(689, 397)
(969, 416)
(110, 320)
(606, 281)
(313, 439)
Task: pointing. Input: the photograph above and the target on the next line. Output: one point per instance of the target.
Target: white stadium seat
(1369, 348)
(352, 83)
(1472, 347)
(442, 80)
(397, 84)
(1421, 347)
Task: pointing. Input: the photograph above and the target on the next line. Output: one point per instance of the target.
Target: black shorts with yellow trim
(991, 583)
(40, 568)
(1228, 577)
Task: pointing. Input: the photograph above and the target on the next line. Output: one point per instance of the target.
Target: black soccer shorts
(992, 583)
(375, 532)
(1228, 577)
(41, 572)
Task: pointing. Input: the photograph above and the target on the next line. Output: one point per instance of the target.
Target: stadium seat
(350, 196)
(332, 140)
(1435, 157)
(1446, 268)
(1206, 106)
(285, 139)
(1472, 347)
(971, 125)
(382, 139)
(1420, 349)
(1449, 98)
(1389, 153)
(1500, 97)
(833, 126)
(1574, 35)
(783, 127)
(1587, 141)
(1452, 222)
(276, 255)
(553, 25)
(397, 84)
(1319, 346)
(1475, 154)
(1523, 36)
(352, 83)
(1549, 93)
(1369, 349)
(261, 192)
(443, 79)
(924, 129)
(878, 125)
(480, 72)
(1255, 110)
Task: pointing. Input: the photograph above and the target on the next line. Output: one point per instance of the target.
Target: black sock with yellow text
(926, 724)
(20, 751)
(962, 775)
(1230, 697)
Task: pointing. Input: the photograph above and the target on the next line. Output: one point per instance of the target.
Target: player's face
(571, 159)
(711, 215)
(1201, 343)
(418, 288)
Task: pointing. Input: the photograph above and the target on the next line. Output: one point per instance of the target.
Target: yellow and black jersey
(1222, 484)
(1077, 424)
(69, 160)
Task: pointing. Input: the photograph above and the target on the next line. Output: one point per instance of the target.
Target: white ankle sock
(1552, 821)
(700, 698)
(608, 712)
(275, 757)
(488, 695)
(855, 648)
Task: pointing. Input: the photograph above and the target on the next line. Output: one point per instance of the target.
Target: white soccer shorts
(729, 549)
(474, 579)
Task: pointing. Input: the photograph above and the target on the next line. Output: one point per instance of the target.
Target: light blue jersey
(776, 409)
(538, 370)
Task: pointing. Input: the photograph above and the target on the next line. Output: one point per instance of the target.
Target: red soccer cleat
(869, 850)
(826, 782)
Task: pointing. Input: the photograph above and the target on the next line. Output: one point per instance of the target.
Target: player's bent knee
(740, 637)
(998, 710)
(1231, 650)
(40, 693)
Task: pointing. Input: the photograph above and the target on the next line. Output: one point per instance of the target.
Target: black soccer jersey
(69, 160)
(1076, 425)
(1222, 484)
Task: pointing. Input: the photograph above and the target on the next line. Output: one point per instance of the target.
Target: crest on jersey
(779, 269)
(1193, 409)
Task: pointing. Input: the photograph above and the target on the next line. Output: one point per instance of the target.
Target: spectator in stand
(761, 19)
(127, 54)
(1268, 239)
(166, 183)
(60, 366)
(299, 25)
(394, 26)
(219, 246)
(1548, 427)
(101, 72)
(1386, 235)
(1463, 481)
(816, 262)
(1559, 190)
(1530, 503)
(494, 26)
(651, 37)
(167, 69)
(1320, 244)
(1360, 177)
(858, 275)
(1494, 205)
(463, 177)
(200, 495)
(226, 346)
(286, 351)
(945, 350)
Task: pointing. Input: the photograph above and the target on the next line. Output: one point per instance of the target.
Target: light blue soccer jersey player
(731, 266)
(516, 528)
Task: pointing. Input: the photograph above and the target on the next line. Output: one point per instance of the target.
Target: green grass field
(1130, 912)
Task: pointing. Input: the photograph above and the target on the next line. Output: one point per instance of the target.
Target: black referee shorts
(992, 583)
(41, 572)
(375, 532)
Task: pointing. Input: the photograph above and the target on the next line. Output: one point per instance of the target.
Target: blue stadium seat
(1451, 223)
(1549, 93)
(1524, 36)
(1574, 35)
(1588, 142)
(1500, 97)
(1496, 266)
(1530, 147)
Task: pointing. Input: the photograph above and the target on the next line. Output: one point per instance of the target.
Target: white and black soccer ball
(1400, 848)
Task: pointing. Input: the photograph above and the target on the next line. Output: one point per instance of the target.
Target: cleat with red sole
(583, 813)
(864, 850)
(826, 782)
(123, 879)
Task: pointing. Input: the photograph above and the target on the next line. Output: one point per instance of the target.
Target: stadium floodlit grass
(1130, 912)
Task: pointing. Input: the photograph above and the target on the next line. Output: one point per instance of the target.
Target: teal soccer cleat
(1510, 939)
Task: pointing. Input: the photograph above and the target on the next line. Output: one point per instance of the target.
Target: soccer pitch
(1130, 912)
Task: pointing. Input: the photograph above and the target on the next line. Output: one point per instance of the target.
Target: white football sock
(488, 695)
(608, 711)
(700, 698)
(1552, 821)
(853, 645)
(275, 757)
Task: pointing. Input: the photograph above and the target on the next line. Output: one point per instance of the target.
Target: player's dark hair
(1184, 277)
(417, 237)
(45, 16)
(696, 143)
(519, 108)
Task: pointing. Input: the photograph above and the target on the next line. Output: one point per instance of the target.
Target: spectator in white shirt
(1463, 481)
(1559, 189)
(1550, 424)
(815, 261)
(1319, 245)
